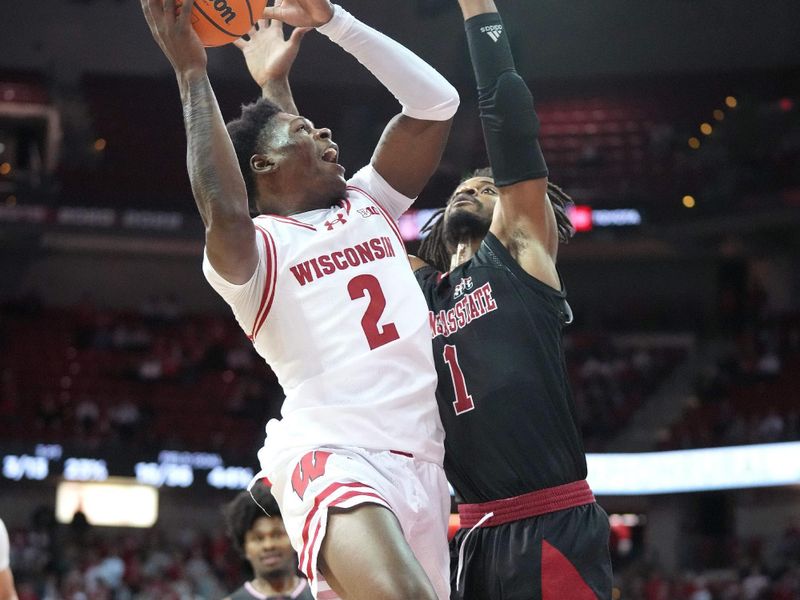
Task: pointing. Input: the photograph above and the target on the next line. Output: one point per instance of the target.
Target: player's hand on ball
(301, 13)
(267, 54)
(171, 25)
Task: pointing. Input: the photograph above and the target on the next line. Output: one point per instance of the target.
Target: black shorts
(562, 555)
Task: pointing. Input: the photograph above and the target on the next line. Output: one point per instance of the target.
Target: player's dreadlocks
(434, 251)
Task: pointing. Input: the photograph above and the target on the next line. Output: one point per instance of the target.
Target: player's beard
(465, 226)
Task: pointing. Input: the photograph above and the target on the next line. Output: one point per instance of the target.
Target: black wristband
(488, 48)
(510, 124)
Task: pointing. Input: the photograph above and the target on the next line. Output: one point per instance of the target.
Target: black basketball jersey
(503, 394)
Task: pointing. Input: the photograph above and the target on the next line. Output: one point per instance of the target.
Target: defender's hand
(301, 13)
(268, 55)
(171, 25)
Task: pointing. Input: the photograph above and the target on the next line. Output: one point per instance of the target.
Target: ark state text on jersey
(377, 248)
(471, 306)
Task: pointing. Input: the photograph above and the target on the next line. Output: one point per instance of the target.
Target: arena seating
(607, 147)
(610, 381)
(750, 395)
(60, 561)
(69, 374)
(51, 561)
(196, 383)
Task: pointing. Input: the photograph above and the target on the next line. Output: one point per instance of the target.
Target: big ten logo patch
(369, 211)
(464, 286)
(310, 467)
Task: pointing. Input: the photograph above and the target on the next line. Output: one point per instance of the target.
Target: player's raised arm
(412, 144)
(269, 57)
(524, 219)
(217, 183)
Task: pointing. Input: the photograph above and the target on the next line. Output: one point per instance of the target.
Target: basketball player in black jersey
(263, 542)
(530, 527)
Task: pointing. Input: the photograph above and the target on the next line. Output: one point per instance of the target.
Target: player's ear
(263, 163)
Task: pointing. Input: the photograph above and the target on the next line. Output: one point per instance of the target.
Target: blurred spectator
(771, 427)
(105, 574)
(258, 535)
(87, 415)
(754, 584)
(240, 357)
(49, 414)
(124, 418)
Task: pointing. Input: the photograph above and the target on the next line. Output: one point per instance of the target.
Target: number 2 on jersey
(463, 402)
(377, 336)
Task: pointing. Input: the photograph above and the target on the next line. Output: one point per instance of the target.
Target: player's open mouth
(331, 155)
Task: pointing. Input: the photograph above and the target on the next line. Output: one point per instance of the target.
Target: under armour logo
(339, 219)
(493, 31)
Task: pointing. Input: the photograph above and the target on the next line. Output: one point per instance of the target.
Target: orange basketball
(220, 22)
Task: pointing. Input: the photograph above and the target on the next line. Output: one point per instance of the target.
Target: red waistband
(528, 505)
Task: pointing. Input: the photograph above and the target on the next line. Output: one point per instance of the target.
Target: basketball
(220, 22)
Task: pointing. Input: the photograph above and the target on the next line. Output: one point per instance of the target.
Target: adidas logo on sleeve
(493, 31)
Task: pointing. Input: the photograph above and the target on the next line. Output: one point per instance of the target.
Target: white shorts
(415, 491)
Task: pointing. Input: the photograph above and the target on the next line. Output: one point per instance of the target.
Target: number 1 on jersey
(463, 402)
(377, 336)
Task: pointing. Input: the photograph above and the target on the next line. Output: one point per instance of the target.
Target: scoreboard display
(610, 474)
(161, 468)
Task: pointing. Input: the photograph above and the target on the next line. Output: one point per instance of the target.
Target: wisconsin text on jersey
(353, 256)
(472, 305)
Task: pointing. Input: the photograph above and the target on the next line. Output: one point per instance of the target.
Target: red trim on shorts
(269, 286)
(384, 212)
(560, 578)
(533, 504)
(344, 497)
(318, 500)
(401, 453)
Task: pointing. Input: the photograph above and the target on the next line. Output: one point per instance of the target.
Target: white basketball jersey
(335, 310)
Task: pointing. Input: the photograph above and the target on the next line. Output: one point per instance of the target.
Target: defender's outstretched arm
(269, 57)
(523, 220)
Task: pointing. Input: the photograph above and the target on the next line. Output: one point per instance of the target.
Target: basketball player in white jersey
(321, 284)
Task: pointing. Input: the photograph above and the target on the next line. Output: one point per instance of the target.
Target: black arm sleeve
(510, 124)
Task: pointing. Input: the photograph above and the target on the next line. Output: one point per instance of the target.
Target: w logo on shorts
(311, 466)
